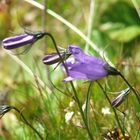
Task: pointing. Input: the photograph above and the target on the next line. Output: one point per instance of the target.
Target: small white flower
(68, 116)
(106, 111)
(71, 104)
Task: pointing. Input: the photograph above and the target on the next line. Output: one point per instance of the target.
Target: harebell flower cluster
(84, 67)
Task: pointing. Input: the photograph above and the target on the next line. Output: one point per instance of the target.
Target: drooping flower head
(87, 67)
(21, 40)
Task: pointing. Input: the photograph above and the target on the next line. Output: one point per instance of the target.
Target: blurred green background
(115, 30)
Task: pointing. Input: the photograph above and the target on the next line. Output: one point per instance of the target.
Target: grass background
(114, 29)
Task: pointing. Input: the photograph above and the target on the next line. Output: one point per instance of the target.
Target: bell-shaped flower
(21, 40)
(87, 67)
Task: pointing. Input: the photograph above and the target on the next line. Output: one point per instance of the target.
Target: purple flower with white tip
(119, 99)
(21, 40)
(55, 58)
(87, 67)
(51, 59)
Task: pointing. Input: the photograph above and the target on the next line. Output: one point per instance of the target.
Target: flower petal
(84, 71)
(81, 57)
(68, 79)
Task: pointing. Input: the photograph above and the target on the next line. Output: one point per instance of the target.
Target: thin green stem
(57, 50)
(63, 92)
(81, 111)
(88, 103)
(115, 113)
(134, 91)
(73, 88)
(27, 123)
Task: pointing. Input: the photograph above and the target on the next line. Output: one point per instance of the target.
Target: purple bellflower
(87, 67)
(21, 40)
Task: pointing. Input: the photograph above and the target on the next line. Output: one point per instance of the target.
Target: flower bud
(4, 109)
(53, 58)
(119, 99)
(21, 40)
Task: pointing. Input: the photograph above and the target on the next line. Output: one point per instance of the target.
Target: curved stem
(26, 122)
(134, 91)
(116, 116)
(57, 50)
